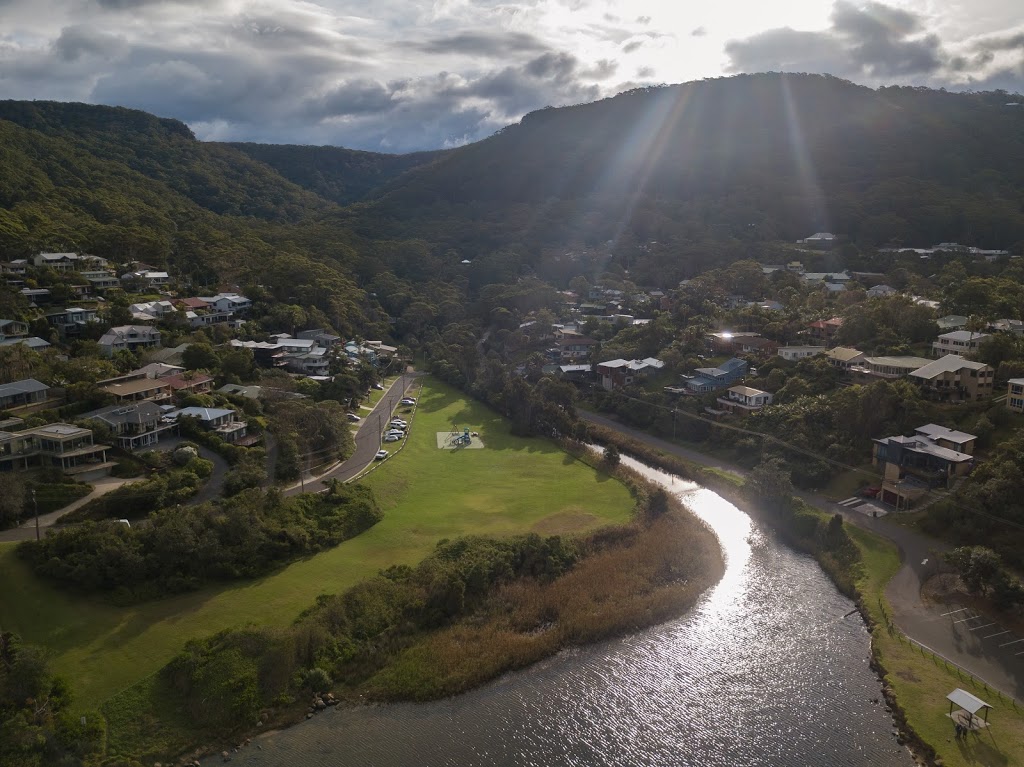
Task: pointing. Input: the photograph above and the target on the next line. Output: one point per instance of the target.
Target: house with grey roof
(136, 425)
(220, 421)
(130, 337)
(958, 342)
(19, 394)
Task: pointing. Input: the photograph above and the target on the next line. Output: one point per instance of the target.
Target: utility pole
(35, 505)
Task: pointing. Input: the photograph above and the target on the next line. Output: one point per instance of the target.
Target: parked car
(399, 425)
(353, 417)
(378, 387)
(392, 437)
(408, 401)
(381, 455)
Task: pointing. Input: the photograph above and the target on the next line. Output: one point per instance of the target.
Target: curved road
(367, 438)
(981, 645)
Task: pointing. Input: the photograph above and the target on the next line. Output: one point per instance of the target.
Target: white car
(381, 455)
(378, 387)
(408, 401)
(353, 417)
(392, 437)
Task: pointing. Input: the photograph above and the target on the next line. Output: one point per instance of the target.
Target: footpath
(975, 642)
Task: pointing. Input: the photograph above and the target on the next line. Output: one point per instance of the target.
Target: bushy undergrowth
(181, 549)
(474, 608)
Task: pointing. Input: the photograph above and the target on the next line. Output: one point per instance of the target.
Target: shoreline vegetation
(860, 564)
(474, 609)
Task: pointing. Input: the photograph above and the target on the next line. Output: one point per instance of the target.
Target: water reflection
(764, 671)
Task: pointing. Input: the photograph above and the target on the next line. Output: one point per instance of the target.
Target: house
(228, 302)
(188, 383)
(249, 392)
(299, 355)
(914, 465)
(954, 379)
(12, 329)
(729, 342)
(572, 348)
(764, 347)
(32, 342)
(834, 278)
(576, 372)
(871, 369)
(822, 240)
(1014, 327)
(710, 379)
(22, 394)
(744, 399)
(61, 445)
(61, 262)
(130, 337)
(135, 426)
(825, 330)
(958, 342)
(18, 266)
(844, 357)
(327, 340)
(221, 421)
(151, 311)
(36, 296)
(620, 372)
(793, 353)
(100, 279)
(880, 291)
(1015, 395)
(155, 370)
(151, 278)
(191, 304)
(951, 322)
(70, 322)
(171, 356)
(156, 390)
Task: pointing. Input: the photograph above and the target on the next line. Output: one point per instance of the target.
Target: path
(27, 530)
(367, 438)
(975, 644)
(215, 482)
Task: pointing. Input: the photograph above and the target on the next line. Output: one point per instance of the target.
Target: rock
(309, 716)
(320, 705)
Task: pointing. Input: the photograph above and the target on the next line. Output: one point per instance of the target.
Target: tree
(771, 483)
(978, 566)
(200, 356)
(12, 498)
(611, 456)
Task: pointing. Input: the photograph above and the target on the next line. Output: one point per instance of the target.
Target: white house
(793, 353)
(744, 399)
(131, 337)
(228, 302)
(963, 342)
(879, 291)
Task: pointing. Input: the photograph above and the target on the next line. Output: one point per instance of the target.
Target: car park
(381, 455)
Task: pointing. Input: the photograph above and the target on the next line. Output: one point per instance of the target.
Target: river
(765, 671)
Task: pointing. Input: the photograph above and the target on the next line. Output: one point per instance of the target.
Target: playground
(459, 438)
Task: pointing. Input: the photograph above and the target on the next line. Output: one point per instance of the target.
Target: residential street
(980, 645)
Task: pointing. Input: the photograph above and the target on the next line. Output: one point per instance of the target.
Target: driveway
(214, 483)
(979, 644)
(27, 530)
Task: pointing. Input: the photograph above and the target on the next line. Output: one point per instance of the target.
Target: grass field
(922, 682)
(513, 485)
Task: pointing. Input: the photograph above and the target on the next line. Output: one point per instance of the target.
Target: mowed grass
(513, 485)
(921, 682)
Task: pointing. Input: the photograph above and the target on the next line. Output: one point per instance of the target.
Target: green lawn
(513, 485)
(921, 682)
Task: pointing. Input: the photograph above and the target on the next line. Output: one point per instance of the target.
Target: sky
(403, 75)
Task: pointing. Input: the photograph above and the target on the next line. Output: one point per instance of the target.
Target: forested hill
(765, 156)
(337, 174)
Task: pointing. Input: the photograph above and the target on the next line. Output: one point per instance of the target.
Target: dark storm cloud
(497, 45)
(1000, 43)
(871, 40)
(358, 97)
(78, 41)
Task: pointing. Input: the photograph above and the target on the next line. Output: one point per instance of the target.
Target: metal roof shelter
(970, 704)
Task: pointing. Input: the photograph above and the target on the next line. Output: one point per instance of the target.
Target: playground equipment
(457, 438)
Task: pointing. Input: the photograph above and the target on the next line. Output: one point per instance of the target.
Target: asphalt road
(980, 644)
(367, 437)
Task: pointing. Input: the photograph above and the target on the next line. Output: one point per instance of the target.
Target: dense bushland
(181, 549)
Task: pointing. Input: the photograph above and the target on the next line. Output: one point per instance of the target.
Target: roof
(250, 392)
(140, 412)
(26, 386)
(969, 703)
(843, 353)
(204, 413)
(934, 431)
(180, 381)
(923, 444)
(747, 391)
(1017, 381)
(33, 342)
(804, 349)
(951, 363)
(910, 363)
(135, 387)
(61, 430)
(963, 335)
(575, 368)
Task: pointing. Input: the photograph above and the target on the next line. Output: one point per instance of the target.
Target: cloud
(490, 44)
(698, 32)
(872, 40)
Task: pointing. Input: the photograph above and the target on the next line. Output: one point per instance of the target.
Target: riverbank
(456, 622)
(916, 682)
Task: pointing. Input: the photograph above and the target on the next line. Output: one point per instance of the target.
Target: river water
(764, 671)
